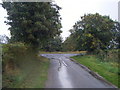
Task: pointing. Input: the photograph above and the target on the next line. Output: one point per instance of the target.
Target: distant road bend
(64, 73)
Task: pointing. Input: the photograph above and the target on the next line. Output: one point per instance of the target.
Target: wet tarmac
(63, 73)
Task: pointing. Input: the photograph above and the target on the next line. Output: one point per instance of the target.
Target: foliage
(32, 22)
(108, 70)
(94, 32)
(12, 51)
(53, 44)
(70, 43)
(116, 32)
(108, 55)
(22, 68)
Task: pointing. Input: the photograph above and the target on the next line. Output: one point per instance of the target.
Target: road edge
(93, 73)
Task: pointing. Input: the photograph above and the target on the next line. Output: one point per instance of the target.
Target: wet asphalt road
(64, 73)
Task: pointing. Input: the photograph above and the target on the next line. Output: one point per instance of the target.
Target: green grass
(108, 70)
(35, 75)
(22, 67)
(32, 74)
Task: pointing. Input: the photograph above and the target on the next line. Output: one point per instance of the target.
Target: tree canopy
(33, 22)
(93, 32)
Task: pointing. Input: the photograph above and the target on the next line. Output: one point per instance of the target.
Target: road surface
(64, 73)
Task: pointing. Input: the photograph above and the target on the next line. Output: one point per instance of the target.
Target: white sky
(71, 12)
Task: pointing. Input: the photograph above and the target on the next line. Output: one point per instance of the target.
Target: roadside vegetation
(107, 67)
(32, 29)
(23, 68)
(35, 30)
(100, 37)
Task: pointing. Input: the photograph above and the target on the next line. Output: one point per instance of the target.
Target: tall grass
(22, 67)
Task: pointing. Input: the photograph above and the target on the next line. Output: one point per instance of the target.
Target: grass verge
(35, 75)
(108, 70)
(32, 74)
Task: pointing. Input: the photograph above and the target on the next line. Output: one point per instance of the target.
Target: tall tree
(94, 32)
(33, 22)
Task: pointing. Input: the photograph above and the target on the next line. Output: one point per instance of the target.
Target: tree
(117, 34)
(93, 32)
(32, 22)
(54, 44)
(70, 42)
(115, 42)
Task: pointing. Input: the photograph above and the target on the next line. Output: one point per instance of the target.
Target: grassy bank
(34, 76)
(109, 70)
(23, 68)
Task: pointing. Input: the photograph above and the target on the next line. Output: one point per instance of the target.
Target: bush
(13, 51)
(11, 57)
(108, 55)
(18, 60)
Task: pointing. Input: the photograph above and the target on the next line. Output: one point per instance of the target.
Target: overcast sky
(71, 12)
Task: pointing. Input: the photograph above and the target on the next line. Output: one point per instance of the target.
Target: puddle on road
(64, 77)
